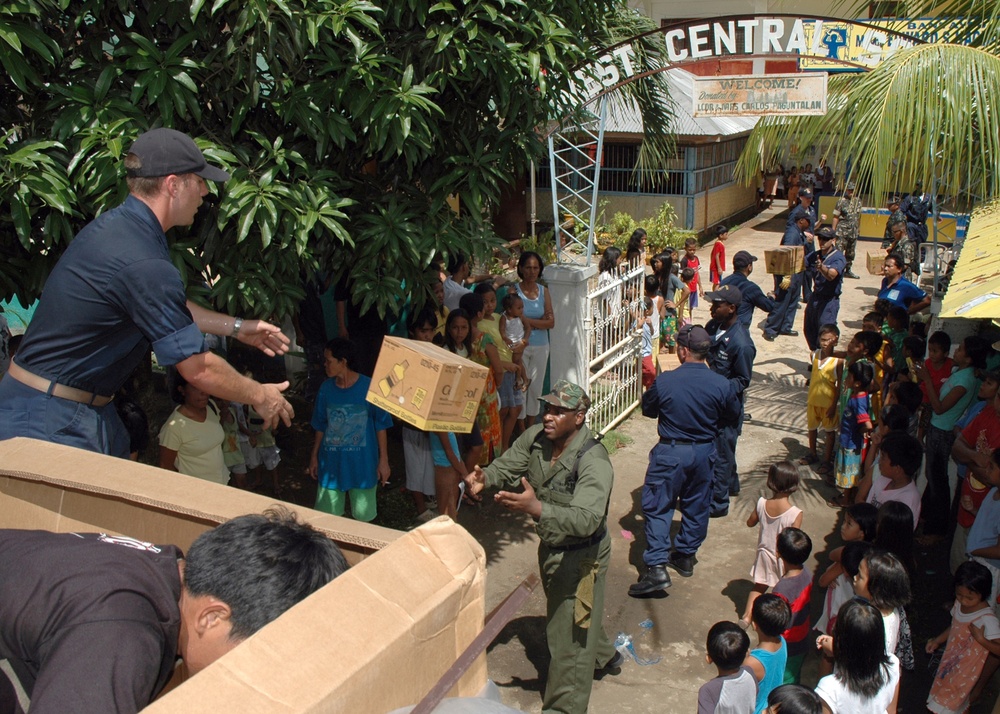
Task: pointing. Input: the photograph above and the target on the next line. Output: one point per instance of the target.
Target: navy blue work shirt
(824, 289)
(902, 293)
(753, 297)
(732, 354)
(690, 403)
(800, 210)
(793, 236)
(113, 293)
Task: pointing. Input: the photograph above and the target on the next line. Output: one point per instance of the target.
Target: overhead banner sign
(865, 46)
(765, 95)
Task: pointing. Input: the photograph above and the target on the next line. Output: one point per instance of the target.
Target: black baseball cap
(726, 293)
(167, 151)
(742, 259)
(695, 338)
(805, 193)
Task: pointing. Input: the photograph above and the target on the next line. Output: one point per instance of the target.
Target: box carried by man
(786, 260)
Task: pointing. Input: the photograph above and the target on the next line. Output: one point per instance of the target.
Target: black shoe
(789, 333)
(656, 578)
(747, 417)
(851, 275)
(683, 564)
(769, 338)
(613, 666)
(716, 514)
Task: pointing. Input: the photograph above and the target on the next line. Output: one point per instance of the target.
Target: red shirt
(718, 259)
(938, 376)
(983, 433)
(977, 492)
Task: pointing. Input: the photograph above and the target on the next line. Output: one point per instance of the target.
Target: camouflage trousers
(846, 245)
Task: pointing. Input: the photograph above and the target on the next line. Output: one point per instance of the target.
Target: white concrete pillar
(568, 358)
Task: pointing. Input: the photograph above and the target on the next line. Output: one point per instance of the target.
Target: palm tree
(928, 113)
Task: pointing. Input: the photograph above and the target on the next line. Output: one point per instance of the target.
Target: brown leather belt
(56, 390)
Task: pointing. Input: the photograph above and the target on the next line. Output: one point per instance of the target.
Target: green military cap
(567, 395)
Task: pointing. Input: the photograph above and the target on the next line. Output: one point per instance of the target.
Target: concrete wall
(638, 206)
(722, 203)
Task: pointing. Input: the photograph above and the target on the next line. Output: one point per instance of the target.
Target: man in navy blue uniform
(690, 403)
(114, 294)
(827, 266)
(917, 207)
(787, 287)
(731, 356)
(753, 296)
(806, 207)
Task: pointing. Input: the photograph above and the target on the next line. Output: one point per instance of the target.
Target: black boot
(683, 564)
(656, 578)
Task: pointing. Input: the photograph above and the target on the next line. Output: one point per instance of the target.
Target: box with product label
(376, 638)
(427, 386)
(786, 260)
(875, 261)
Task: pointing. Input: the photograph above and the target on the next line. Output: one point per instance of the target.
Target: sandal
(838, 502)
(824, 469)
(809, 458)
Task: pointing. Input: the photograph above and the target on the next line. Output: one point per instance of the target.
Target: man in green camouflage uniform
(895, 216)
(846, 222)
(566, 478)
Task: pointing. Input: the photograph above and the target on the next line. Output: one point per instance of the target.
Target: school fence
(614, 345)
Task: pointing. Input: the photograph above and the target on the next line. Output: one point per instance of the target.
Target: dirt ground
(668, 631)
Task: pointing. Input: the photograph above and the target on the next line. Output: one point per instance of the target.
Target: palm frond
(978, 20)
(925, 112)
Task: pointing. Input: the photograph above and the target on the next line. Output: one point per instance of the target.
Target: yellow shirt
(822, 381)
(491, 326)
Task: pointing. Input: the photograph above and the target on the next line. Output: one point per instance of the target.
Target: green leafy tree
(346, 125)
(928, 112)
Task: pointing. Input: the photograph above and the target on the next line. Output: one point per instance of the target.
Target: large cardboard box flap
(874, 262)
(427, 386)
(786, 260)
(374, 639)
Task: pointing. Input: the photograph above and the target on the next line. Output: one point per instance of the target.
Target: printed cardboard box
(375, 639)
(875, 261)
(427, 386)
(786, 260)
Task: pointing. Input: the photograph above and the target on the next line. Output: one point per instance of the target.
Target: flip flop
(824, 469)
(837, 503)
(807, 460)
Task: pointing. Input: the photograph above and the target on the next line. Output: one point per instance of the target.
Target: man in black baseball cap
(752, 295)
(731, 356)
(114, 294)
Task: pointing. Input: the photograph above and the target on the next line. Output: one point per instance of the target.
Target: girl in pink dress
(773, 515)
(974, 633)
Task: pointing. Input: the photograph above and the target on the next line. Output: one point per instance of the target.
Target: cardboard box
(376, 638)
(875, 261)
(427, 386)
(786, 260)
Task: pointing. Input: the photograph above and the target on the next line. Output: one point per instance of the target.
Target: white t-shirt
(880, 493)
(841, 701)
(453, 293)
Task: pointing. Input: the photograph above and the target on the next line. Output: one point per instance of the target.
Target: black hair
(852, 555)
(860, 660)
(895, 417)
(794, 546)
(862, 372)
(690, 242)
(260, 565)
(897, 259)
(899, 315)
(783, 477)
(976, 577)
(136, 423)
(525, 257)
(866, 516)
(977, 349)
(829, 328)
(609, 259)
(455, 263)
(484, 288)
(634, 248)
(651, 284)
(871, 341)
(720, 230)
(472, 303)
(771, 614)
(918, 329)
(874, 316)
(903, 450)
(794, 699)
(687, 275)
(343, 348)
(175, 381)
(449, 343)
(427, 316)
(888, 580)
(916, 346)
(727, 645)
(942, 339)
(509, 299)
(894, 532)
(908, 395)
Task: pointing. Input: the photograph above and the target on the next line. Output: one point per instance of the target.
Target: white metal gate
(614, 345)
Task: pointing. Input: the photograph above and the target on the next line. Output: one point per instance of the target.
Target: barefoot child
(717, 263)
(515, 333)
(824, 381)
(795, 586)
(772, 515)
(855, 424)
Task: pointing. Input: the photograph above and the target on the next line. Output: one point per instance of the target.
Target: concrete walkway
(676, 624)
